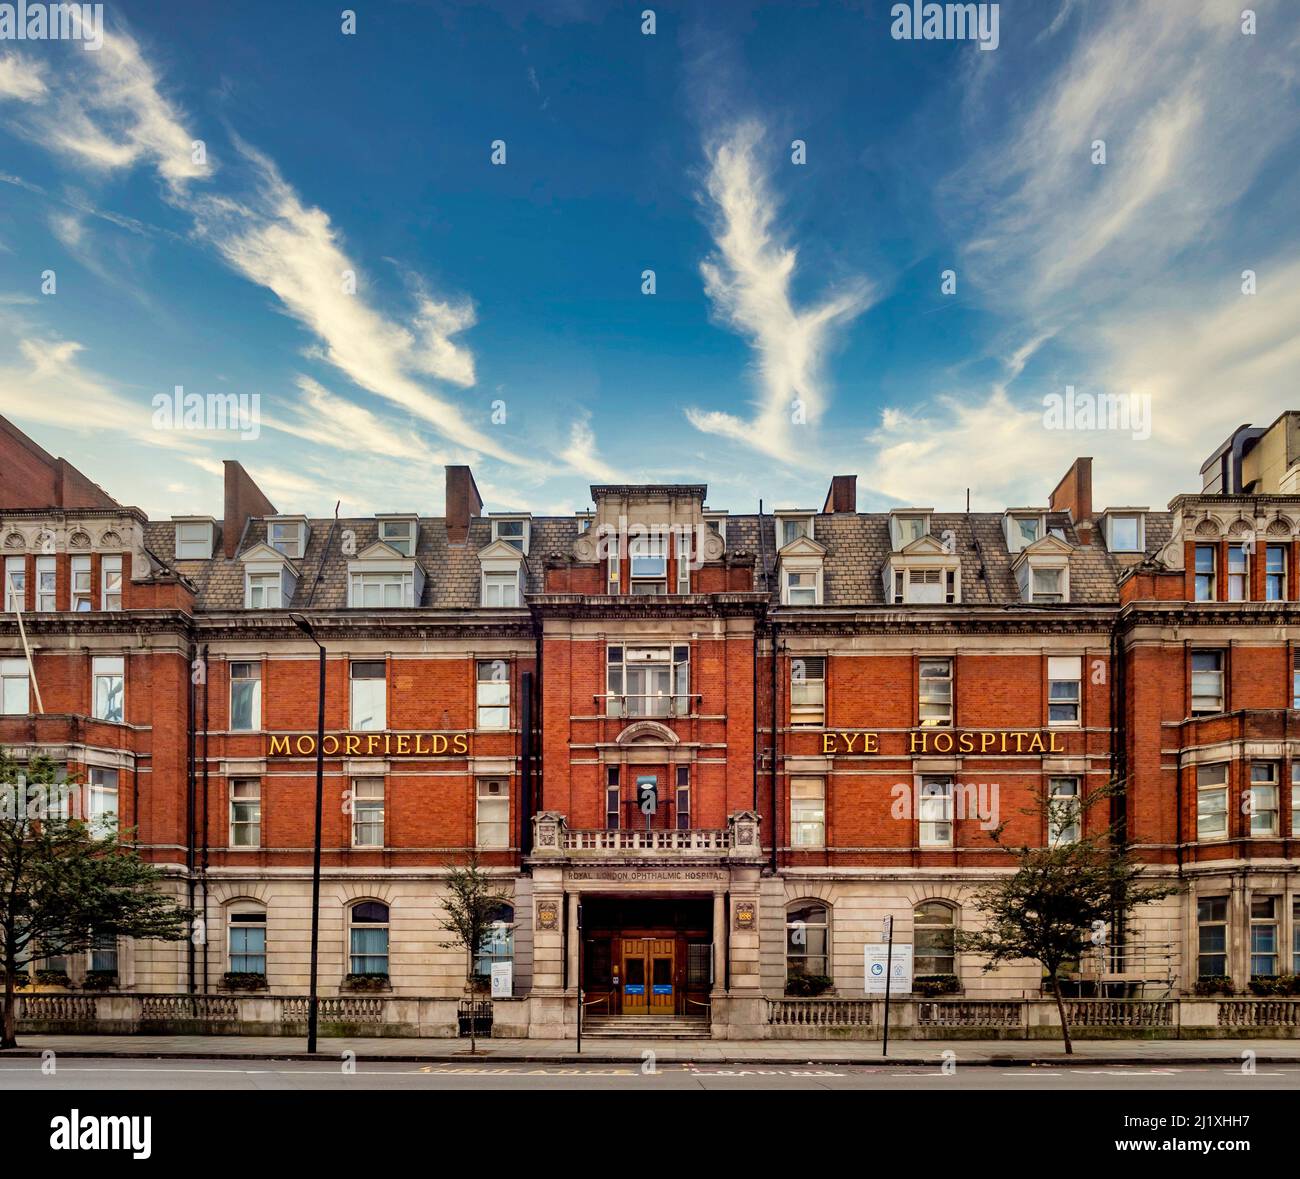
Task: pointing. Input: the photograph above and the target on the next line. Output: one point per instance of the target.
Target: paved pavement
(1004, 1053)
(165, 1076)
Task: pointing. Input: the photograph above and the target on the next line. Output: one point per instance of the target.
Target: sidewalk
(1154, 1053)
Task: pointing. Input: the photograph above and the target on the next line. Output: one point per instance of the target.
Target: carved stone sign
(651, 875)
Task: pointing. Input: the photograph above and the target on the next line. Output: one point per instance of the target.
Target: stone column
(720, 935)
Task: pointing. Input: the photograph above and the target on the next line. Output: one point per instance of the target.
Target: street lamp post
(313, 1003)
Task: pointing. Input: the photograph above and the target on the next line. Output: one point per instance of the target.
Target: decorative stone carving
(80, 539)
(1281, 527)
(1241, 527)
(1208, 527)
(548, 915)
(15, 541)
(548, 833)
(744, 830)
(110, 540)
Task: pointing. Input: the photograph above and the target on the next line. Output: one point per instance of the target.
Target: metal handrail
(668, 698)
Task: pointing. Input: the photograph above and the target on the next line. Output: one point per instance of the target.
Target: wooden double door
(648, 974)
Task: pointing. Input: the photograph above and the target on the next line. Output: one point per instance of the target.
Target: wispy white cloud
(748, 279)
(21, 78)
(581, 454)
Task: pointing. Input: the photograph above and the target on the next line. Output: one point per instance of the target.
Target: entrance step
(646, 1027)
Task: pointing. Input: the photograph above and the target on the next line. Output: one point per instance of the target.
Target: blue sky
(798, 327)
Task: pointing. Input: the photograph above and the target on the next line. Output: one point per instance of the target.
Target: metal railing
(645, 705)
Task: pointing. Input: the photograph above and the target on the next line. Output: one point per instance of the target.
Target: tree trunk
(1060, 1010)
(9, 1032)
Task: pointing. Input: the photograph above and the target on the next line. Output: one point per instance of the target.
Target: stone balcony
(553, 840)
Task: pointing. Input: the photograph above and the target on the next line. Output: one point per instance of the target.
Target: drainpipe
(525, 757)
(189, 815)
(203, 868)
(775, 823)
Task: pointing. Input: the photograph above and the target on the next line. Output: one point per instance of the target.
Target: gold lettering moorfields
(372, 745)
(947, 741)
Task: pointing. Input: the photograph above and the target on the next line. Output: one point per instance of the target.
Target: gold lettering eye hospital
(371, 744)
(946, 741)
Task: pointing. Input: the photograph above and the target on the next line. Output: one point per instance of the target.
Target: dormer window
(287, 537)
(905, 527)
(800, 572)
(585, 521)
(1125, 532)
(1043, 571)
(502, 575)
(380, 578)
(792, 527)
(924, 572)
(399, 533)
(193, 539)
(513, 530)
(1022, 529)
(269, 579)
(922, 586)
(718, 522)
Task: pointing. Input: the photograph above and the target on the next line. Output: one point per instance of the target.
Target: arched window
(368, 940)
(246, 941)
(807, 941)
(934, 936)
(499, 944)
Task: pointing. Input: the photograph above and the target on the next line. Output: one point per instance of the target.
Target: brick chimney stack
(1073, 494)
(843, 494)
(244, 499)
(463, 504)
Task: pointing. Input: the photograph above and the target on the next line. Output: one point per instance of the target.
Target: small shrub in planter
(365, 982)
(1275, 984)
(99, 980)
(240, 980)
(807, 985)
(931, 985)
(22, 979)
(1214, 984)
(53, 978)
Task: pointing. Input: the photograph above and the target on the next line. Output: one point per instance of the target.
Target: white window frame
(396, 589)
(1270, 575)
(621, 661)
(1015, 541)
(81, 590)
(1210, 580)
(47, 585)
(1211, 801)
(256, 681)
(263, 582)
(808, 679)
(194, 539)
(1139, 531)
(110, 581)
(1059, 596)
(646, 548)
(1222, 677)
(103, 796)
(1265, 799)
(935, 824)
(1295, 797)
(1269, 920)
(1238, 574)
(900, 522)
(405, 540)
(291, 548)
(15, 572)
(525, 531)
(108, 668)
(367, 708)
(801, 521)
(491, 799)
(807, 813)
(934, 722)
(491, 714)
(366, 793)
(801, 569)
(1065, 670)
(495, 583)
(14, 672)
(244, 793)
(1065, 799)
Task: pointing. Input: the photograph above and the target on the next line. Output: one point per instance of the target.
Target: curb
(585, 1058)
